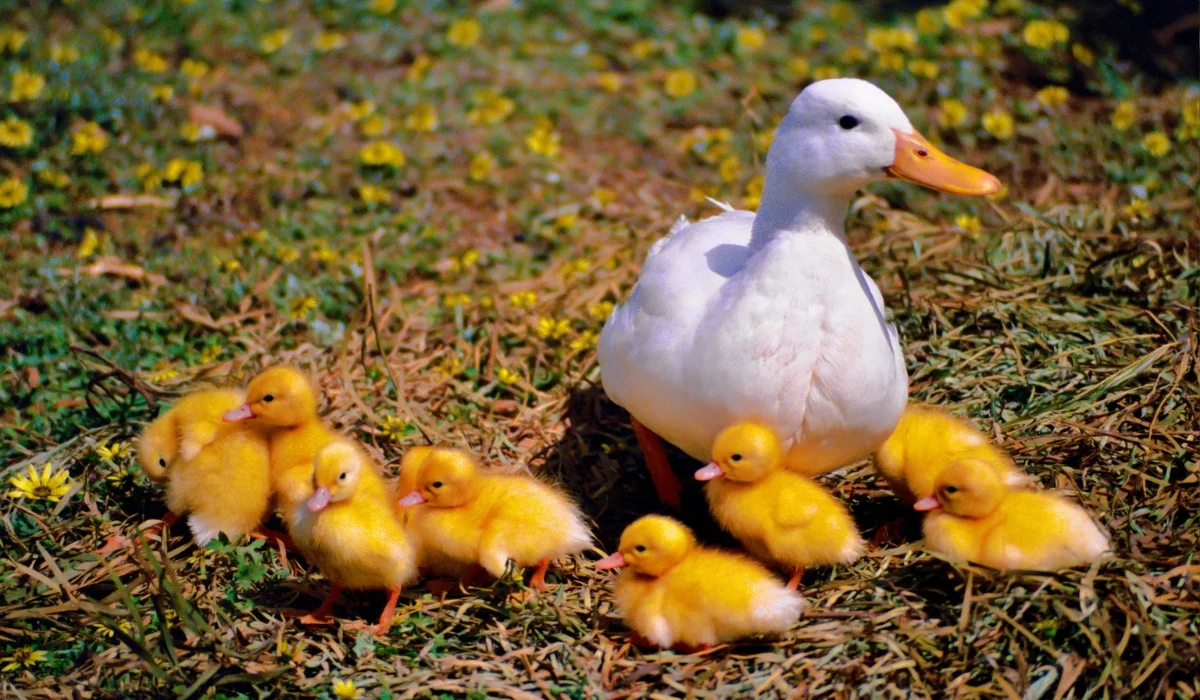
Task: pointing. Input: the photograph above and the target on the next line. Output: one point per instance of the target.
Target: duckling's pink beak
(615, 560)
(413, 499)
(243, 412)
(712, 471)
(319, 500)
(928, 503)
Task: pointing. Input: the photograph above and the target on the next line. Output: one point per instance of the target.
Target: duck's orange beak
(612, 561)
(712, 471)
(243, 412)
(413, 499)
(918, 161)
(929, 503)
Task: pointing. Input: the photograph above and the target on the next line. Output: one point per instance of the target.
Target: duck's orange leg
(794, 582)
(665, 481)
(322, 614)
(121, 541)
(538, 581)
(389, 611)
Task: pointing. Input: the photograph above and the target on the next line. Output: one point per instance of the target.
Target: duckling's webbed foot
(538, 580)
(666, 483)
(322, 615)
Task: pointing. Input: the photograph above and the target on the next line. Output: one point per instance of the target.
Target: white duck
(768, 317)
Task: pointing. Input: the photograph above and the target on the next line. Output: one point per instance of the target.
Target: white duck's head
(841, 134)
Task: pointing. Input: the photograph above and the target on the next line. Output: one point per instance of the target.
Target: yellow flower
(162, 93)
(423, 117)
(373, 126)
(798, 66)
(11, 40)
(604, 196)
(891, 61)
(114, 453)
(818, 34)
(1157, 143)
(112, 38)
(50, 485)
(841, 13)
(679, 83)
(464, 32)
(481, 166)
(346, 690)
(148, 176)
(953, 114)
(419, 67)
(523, 300)
(459, 299)
(754, 188)
(551, 329)
(825, 72)
(53, 177)
(642, 48)
(26, 86)
(1137, 209)
(1053, 95)
(186, 172)
(610, 81)
(209, 354)
(585, 341)
(88, 138)
(543, 140)
(15, 133)
(491, 107)
(193, 69)
(360, 110)
(968, 223)
(371, 194)
(729, 169)
(273, 41)
(392, 428)
(929, 22)
(193, 132)
(1083, 54)
(1123, 116)
(12, 192)
(922, 68)
(149, 61)
(1042, 33)
(959, 12)
(600, 310)
(230, 265)
(322, 253)
(505, 375)
(999, 123)
(326, 41)
(23, 657)
(383, 7)
(301, 308)
(854, 54)
(1191, 113)
(88, 244)
(382, 154)
(751, 39)
(63, 53)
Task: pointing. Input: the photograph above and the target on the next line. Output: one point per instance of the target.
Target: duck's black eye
(951, 489)
(268, 398)
(342, 476)
(436, 485)
(736, 458)
(848, 122)
(162, 462)
(640, 548)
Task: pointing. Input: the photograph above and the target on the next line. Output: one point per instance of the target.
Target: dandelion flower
(1042, 33)
(327, 41)
(799, 67)
(419, 67)
(679, 83)
(392, 428)
(88, 138)
(923, 68)
(959, 12)
(273, 41)
(481, 166)
(929, 22)
(827, 72)
(193, 132)
(372, 194)
(1138, 209)
(464, 32)
(506, 376)
(1157, 143)
(523, 300)
(13, 192)
(53, 177)
(729, 169)
(551, 329)
(604, 196)
(162, 93)
(11, 40)
(610, 81)
(381, 154)
(149, 61)
(754, 189)
(423, 117)
(15, 133)
(1123, 116)
(543, 140)
(968, 223)
(642, 48)
(114, 453)
(585, 341)
(491, 107)
(193, 69)
(358, 111)
(301, 308)
(891, 61)
(187, 173)
(456, 300)
(63, 53)
(1053, 95)
(1083, 54)
(565, 222)
(343, 689)
(49, 485)
(26, 86)
(22, 658)
(999, 123)
(954, 113)
(751, 39)
(88, 244)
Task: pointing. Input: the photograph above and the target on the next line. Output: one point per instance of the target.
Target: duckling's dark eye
(848, 122)
(736, 458)
(342, 476)
(951, 489)
(436, 485)
(162, 462)
(268, 398)
(640, 548)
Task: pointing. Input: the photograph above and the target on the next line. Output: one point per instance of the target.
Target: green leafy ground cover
(432, 206)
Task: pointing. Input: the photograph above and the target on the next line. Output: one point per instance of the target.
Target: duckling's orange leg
(538, 581)
(665, 482)
(389, 611)
(794, 582)
(121, 541)
(322, 614)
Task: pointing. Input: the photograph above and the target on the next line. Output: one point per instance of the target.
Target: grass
(460, 305)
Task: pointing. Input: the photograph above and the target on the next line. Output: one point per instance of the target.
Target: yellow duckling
(349, 529)
(975, 516)
(777, 514)
(281, 403)
(677, 592)
(216, 473)
(926, 441)
(472, 518)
